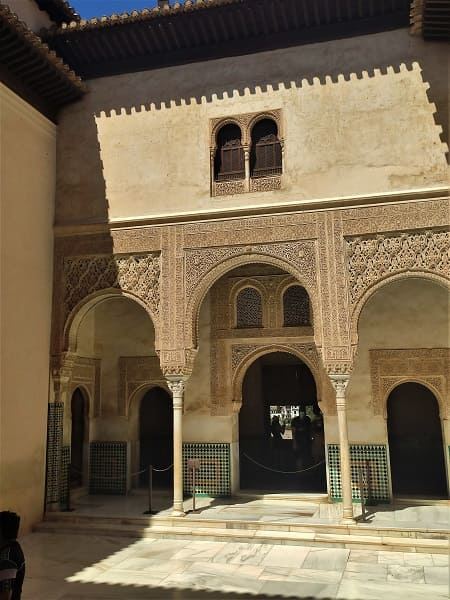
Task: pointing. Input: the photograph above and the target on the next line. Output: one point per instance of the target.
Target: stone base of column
(347, 517)
(178, 510)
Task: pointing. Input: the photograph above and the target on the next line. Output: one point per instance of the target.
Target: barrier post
(193, 466)
(361, 492)
(150, 510)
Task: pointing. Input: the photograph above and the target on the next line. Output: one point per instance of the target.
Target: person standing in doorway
(301, 436)
(12, 560)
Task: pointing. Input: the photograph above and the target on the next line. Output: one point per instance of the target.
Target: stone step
(317, 534)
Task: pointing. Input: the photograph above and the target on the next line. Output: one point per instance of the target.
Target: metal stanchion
(361, 492)
(193, 466)
(150, 510)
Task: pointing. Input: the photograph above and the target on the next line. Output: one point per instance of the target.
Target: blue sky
(96, 8)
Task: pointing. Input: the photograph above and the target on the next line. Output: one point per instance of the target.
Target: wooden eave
(431, 19)
(32, 70)
(210, 29)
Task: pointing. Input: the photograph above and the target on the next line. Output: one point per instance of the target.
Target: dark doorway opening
(79, 411)
(281, 385)
(156, 436)
(415, 442)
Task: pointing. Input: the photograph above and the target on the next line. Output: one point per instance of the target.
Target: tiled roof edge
(34, 41)
(137, 16)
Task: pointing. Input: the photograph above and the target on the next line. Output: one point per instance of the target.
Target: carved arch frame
(221, 267)
(301, 351)
(429, 367)
(77, 314)
(381, 283)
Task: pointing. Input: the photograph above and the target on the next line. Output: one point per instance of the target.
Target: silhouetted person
(277, 430)
(12, 560)
(301, 436)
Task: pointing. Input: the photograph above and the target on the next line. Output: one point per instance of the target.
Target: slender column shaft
(176, 386)
(340, 383)
(247, 167)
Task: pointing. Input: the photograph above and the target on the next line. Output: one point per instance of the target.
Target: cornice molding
(303, 206)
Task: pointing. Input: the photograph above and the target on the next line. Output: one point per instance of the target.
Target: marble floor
(64, 567)
(270, 508)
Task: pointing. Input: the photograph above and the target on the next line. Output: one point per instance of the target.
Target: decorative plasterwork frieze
(86, 373)
(138, 274)
(300, 254)
(136, 372)
(239, 352)
(429, 366)
(373, 259)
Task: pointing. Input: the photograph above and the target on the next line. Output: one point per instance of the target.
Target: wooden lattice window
(296, 308)
(265, 156)
(229, 159)
(248, 308)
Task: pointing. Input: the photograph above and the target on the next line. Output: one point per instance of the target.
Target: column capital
(339, 381)
(176, 385)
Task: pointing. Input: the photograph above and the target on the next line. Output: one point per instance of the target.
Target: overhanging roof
(206, 29)
(431, 18)
(32, 70)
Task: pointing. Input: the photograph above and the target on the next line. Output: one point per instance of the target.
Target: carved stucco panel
(389, 368)
(300, 254)
(86, 372)
(139, 274)
(134, 373)
(375, 258)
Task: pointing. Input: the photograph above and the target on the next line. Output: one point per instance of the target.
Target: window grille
(229, 159)
(296, 308)
(249, 308)
(266, 156)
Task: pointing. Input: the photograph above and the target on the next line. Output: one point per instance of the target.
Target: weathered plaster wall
(412, 313)
(27, 182)
(114, 328)
(138, 144)
(197, 395)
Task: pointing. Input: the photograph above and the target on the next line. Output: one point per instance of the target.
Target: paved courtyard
(73, 567)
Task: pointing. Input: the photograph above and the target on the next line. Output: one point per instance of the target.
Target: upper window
(265, 157)
(296, 307)
(229, 159)
(248, 308)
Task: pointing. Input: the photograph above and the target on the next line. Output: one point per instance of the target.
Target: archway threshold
(271, 495)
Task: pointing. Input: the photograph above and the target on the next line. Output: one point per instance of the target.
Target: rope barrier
(162, 470)
(283, 472)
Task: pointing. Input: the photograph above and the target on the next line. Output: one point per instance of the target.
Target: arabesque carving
(86, 372)
(134, 373)
(430, 366)
(372, 259)
(301, 254)
(139, 274)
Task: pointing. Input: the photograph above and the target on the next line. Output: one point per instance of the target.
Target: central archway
(277, 387)
(156, 437)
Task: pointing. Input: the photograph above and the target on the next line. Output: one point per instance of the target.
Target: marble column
(340, 382)
(176, 386)
(247, 167)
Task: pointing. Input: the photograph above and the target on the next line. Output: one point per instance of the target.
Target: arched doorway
(415, 442)
(280, 385)
(79, 413)
(156, 436)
